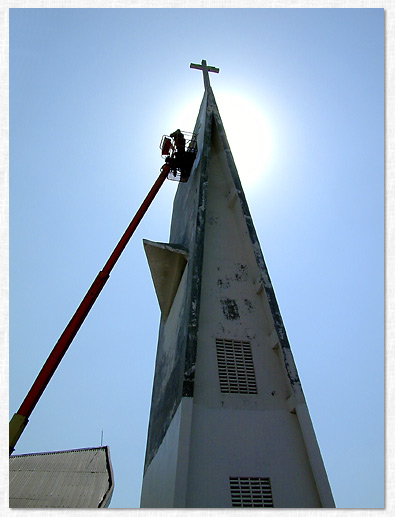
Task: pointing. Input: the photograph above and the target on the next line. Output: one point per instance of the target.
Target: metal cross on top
(205, 69)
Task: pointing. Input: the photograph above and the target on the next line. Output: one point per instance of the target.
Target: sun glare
(249, 135)
(248, 131)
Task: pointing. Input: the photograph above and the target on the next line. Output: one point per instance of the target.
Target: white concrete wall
(164, 484)
(234, 434)
(230, 442)
(170, 329)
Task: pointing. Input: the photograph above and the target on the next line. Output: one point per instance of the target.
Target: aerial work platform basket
(179, 150)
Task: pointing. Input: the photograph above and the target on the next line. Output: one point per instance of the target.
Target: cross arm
(209, 68)
(205, 69)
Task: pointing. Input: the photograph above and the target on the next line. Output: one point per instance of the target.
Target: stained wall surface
(240, 434)
(227, 401)
(187, 230)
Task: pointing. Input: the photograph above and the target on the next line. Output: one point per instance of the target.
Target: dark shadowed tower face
(229, 425)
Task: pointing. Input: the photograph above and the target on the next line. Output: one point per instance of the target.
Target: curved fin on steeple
(167, 263)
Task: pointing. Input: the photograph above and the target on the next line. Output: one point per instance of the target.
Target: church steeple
(229, 424)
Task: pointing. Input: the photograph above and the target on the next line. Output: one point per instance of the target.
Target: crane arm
(20, 419)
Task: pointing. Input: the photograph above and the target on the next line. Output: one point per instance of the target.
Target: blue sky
(301, 95)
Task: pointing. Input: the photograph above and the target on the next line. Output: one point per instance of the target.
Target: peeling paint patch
(248, 304)
(290, 368)
(190, 374)
(223, 283)
(212, 219)
(230, 309)
(241, 274)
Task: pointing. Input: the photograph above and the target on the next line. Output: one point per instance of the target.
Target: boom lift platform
(179, 150)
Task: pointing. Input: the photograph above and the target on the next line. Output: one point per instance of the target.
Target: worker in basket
(179, 157)
(179, 141)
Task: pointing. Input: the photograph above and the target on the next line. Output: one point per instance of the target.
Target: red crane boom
(21, 417)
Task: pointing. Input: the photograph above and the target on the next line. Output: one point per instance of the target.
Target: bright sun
(248, 131)
(249, 136)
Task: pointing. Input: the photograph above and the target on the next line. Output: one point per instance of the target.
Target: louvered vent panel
(235, 366)
(249, 492)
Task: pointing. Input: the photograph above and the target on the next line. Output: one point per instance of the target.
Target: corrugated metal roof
(80, 478)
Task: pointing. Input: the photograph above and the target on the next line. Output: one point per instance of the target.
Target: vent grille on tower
(235, 367)
(251, 492)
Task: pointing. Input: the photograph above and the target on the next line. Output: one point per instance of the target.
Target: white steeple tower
(229, 424)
